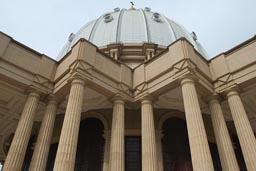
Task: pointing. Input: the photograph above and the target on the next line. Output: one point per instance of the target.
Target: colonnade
(151, 139)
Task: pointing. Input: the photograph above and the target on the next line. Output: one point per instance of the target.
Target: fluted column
(224, 144)
(243, 129)
(159, 136)
(199, 147)
(106, 150)
(149, 155)
(40, 155)
(66, 153)
(116, 162)
(20, 140)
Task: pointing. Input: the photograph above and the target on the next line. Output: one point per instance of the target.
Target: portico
(99, 101)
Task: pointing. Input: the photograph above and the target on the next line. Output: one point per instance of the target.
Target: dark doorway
(133, 153)
(175, 146)
(238, 153)
(90, 148)
(51, 156)
(215, 157)
(29, 153)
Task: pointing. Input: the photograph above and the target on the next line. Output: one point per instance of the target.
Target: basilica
(131, 90)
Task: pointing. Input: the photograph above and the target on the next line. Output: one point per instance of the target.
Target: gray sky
(44, 25)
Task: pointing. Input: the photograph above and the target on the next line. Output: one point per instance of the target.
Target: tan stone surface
(42, 147)
(148, 140)
(107, 136)
(66, 153)
(4, 41)
(243, 129)
(224, 144)
(159, 136)
(22, 67)
(20, 140)
(116, 161)
(199, 148)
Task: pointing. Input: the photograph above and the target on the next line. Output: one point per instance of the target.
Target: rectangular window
(133, 153)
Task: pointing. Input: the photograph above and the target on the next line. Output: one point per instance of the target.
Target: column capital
(118, 99)
(232, 92)
(52, 99)
(34, 94)
(31, 91)
(77, 79)
(215, 98)
(189, 78)
(147, 99)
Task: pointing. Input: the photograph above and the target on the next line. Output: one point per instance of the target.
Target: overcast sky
(44, 25)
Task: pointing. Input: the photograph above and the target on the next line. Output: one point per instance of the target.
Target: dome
(132, 26)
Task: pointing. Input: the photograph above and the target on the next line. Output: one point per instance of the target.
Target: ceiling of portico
(12, 101)
(11, 104)
(248, 96)
(92, 100)
(173, 100)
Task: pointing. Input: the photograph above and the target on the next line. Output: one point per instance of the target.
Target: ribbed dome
(131, 26)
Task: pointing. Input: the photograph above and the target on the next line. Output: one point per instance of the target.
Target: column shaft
(20, 140)
(66, 153)
(199, 147)
(117, 137)
(106, 150)
(243, 129)
(40, 155)
(224, 144)
(159, 136)
(149, 155)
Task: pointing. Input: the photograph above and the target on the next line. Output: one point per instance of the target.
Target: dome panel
(84, 32)
(159, 32)
(105, 32)
(132, 26)
(180, 31)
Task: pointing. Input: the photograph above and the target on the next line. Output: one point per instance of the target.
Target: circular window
(116, 9)
(108, 17)
(156, 17)
(147, 9)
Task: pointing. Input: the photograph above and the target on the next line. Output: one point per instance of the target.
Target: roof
(131, 26)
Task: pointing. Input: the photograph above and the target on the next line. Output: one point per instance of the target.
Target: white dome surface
(131, 26)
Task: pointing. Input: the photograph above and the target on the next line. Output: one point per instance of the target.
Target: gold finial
(132, 8)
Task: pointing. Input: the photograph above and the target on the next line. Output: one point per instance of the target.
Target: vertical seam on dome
(170, 26)
(81, 29)
(118, 30)
(94, 29)
(190, 39)
(186, 33)
(146, 25)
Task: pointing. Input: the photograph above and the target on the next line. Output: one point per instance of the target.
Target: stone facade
(215, 97)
